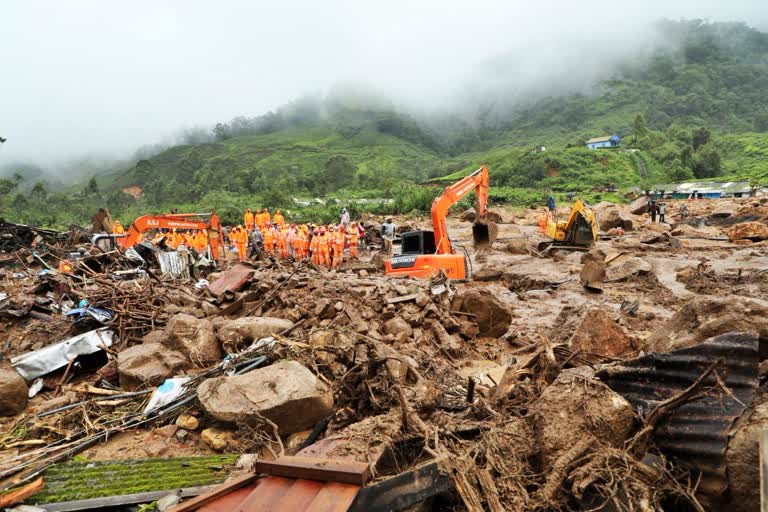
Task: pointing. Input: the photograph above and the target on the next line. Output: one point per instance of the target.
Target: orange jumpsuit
(313, 247)
(269, 242)
(305, 242)
(241, 242)
(298, 245)
(118, 228)
(353, 236)
(339, 238)
(266, 217)
(323, 249)
(248, 218)
(282, 248)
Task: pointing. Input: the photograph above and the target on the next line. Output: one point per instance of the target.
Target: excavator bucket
(484, 234)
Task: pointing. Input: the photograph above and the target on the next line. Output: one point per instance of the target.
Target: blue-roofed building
(608, 141)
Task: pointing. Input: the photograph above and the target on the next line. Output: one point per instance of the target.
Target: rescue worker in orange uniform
(267, 217)
(241, 242)
(248, 218)
(279, 219)
(323, 249)
(282, 249)
(339, 238)
(353, 237)
(118, 228)
(173, 239)
(313, 247)
(269, 241)
(298, 244)
(305, 241)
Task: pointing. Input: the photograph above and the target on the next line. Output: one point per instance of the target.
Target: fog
(103, 78)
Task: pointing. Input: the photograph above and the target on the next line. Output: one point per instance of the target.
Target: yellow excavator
(577, 233)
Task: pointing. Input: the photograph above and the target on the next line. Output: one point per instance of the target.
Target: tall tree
(639, 129)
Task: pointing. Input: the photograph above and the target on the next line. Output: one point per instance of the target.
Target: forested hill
(696, 107)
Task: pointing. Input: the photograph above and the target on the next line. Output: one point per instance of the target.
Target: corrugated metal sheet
(174, 263)
(696, 433)
(276, 494)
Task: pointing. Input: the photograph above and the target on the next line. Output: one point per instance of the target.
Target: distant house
(608, 141)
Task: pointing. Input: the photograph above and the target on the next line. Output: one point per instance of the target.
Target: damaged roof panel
(695, 433)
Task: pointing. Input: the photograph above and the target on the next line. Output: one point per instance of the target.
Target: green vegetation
(695, 108)
(80, 480)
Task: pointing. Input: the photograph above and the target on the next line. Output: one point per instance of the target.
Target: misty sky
(103, 77)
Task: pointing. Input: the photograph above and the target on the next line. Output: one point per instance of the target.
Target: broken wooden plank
(402, 298)
(312, 468)
(22, 493)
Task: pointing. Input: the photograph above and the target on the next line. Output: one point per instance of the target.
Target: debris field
(628, 377)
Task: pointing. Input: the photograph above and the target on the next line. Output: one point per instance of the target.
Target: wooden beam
(315, 468)
(22, 493)
(403, 298)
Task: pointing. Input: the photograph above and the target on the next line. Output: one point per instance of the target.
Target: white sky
(105, 77)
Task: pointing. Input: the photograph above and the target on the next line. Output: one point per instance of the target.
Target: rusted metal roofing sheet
(696, 433)
(231, 280)
(277, 494)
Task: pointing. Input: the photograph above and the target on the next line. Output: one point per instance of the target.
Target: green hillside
(694, 108)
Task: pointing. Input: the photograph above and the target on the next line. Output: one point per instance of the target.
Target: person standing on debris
(684, 212)
(267, 217)
(118, 228)
(339, 238)
(323, 249)
(241, 241)
(652, 209)
(353, 237)
(662, 210)
(388, 233)
(248, 219)
(282, 249)
(269, 241)
(551, 204)
(344, 218)
(257, 242)
(313, 247)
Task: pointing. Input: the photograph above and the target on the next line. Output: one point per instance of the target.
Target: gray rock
(286, 393)
(235, 334)
(193, 337)
(148, 364)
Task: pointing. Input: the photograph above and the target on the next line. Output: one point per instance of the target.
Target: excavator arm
(174, 221)
(477, 181)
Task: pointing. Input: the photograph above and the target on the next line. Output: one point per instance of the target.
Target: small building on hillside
(709, 189)
(608, 141)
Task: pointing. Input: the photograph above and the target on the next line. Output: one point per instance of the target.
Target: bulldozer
(577, 233)
(426, 253)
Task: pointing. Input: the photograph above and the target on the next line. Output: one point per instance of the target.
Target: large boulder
(614, 218)
(754, 231)
(577, 406)
(491, 315)
(657, 227)
(235, 334)
(468, 215)
(286, 393)
(193, 337)
(148, 364)
(13, 392)
(626, 269)
(639, 206)
(705, 317)
(598, 336)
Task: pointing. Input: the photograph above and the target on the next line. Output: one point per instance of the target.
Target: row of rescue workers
(271, 236)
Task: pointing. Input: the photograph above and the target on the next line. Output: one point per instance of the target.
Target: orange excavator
(176, 221)
(425, 253)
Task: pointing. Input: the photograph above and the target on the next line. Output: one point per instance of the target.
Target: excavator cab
(418, 258)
